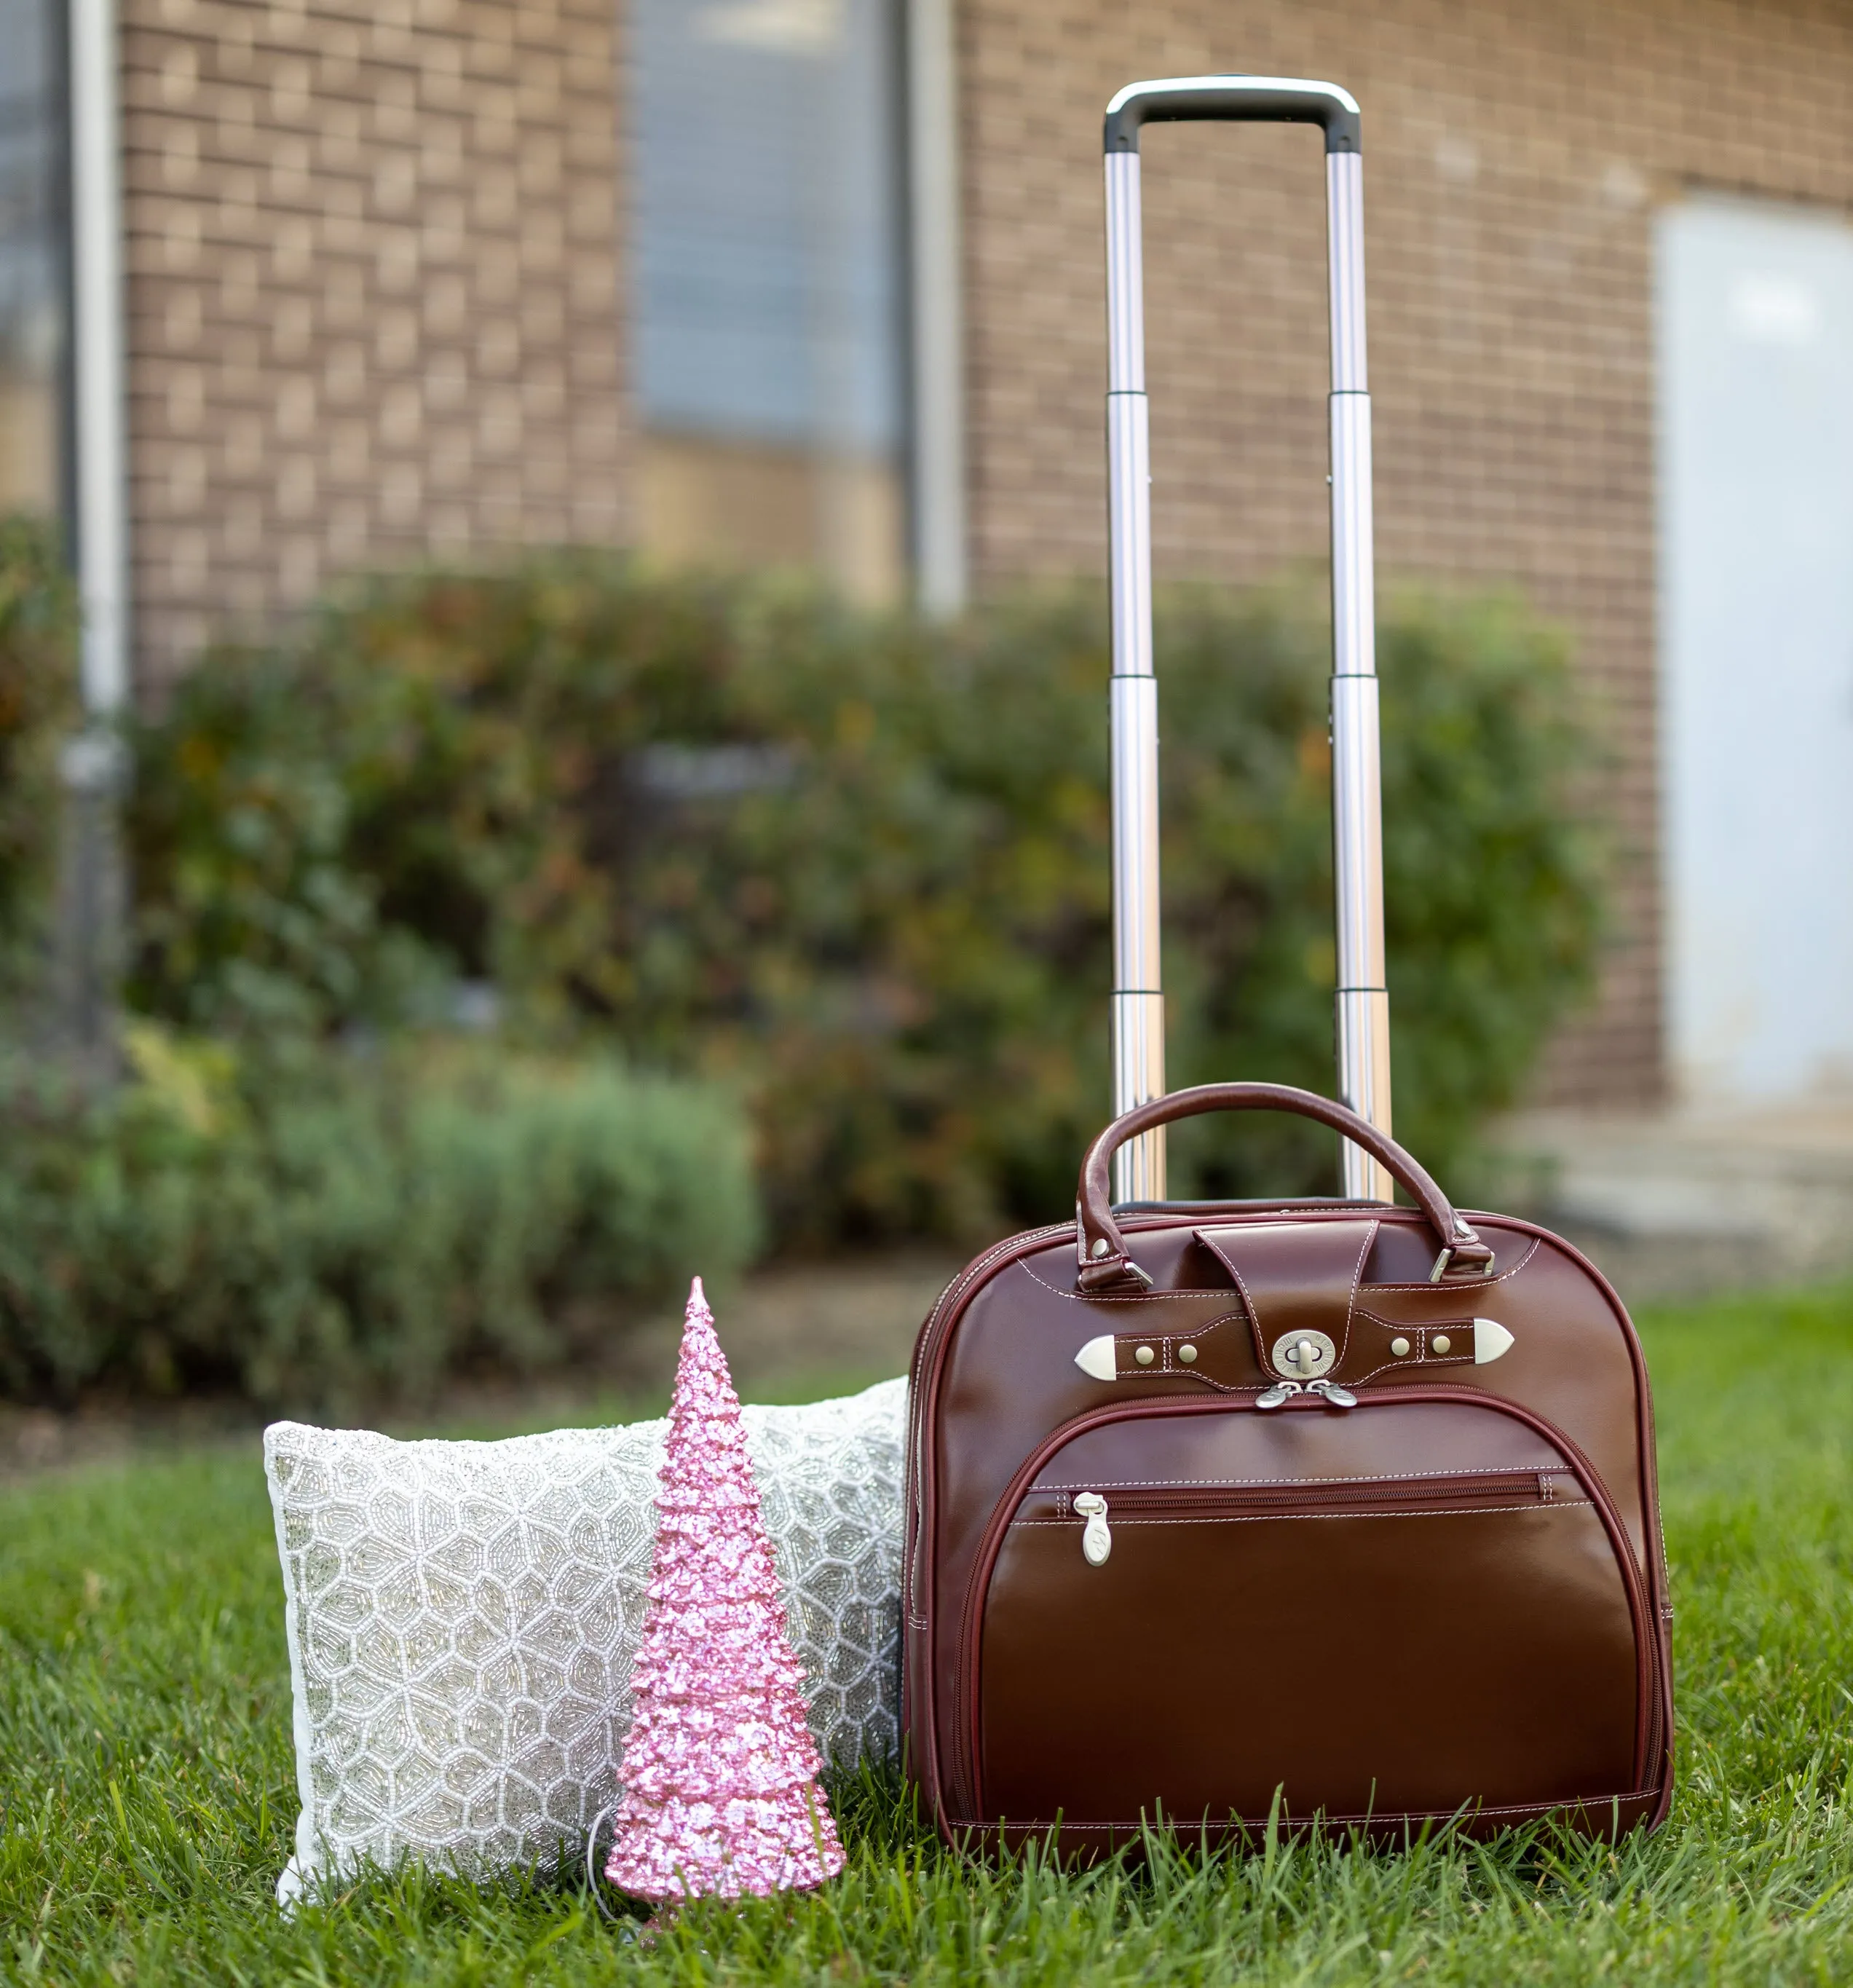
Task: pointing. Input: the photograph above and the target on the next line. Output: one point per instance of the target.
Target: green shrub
(322, 1227)
(37, 708)
(256, 912)
(885, 916)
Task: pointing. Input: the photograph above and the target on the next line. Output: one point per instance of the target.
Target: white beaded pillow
(462, 1618)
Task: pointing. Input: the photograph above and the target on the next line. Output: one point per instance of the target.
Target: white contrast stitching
(1380, 1477)
(1468, 1283)
(1422, 1325)
(1256, 1518)
(1408, 1365)
(1260, 1331)
(1351, 1298)
(1209, 1290)
(1123, 1297)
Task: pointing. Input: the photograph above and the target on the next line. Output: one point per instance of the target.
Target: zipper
(1459, 1490)
(1328, 1391)
(963, 1774)
(952, 1298)
(1096, 1541)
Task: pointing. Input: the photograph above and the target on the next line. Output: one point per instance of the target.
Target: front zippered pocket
(1183, 1610)
(1098, 1510)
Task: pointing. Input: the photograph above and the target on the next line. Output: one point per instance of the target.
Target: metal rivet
(1441, 1343)
(1399, 1346)
(1188, 1354)
(1101, 1245)
(1145, 1355)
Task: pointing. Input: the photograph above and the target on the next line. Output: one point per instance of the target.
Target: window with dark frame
(32, 262)
(766, 296)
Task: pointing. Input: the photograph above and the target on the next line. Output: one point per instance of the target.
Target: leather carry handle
(1105, 1263)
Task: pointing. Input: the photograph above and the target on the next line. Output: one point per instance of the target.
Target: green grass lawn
(148, 1792)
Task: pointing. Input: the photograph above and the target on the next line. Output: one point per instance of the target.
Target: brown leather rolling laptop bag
(1338, 1510)
(1207, 1503)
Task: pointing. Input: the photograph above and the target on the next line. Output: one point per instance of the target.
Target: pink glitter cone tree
(720, 1795)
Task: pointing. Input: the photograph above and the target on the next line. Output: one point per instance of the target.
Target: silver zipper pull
(1097, 1542)
(1335, 1397)
(1281, 1390)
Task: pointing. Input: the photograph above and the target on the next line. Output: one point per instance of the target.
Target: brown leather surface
(1395, 1439)
(1487, 1627)
(1400, 1663)
(1293, 1276)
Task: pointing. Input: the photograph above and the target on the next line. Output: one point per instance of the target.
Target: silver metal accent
(1138, 1006)
(1332, 1395)
(88, 930)
(1400, 1347)
(937, 326)
(1138, 1076)
(1280, 1392)
(1442, 1343)
(1101, 1247)
(1096, 1541)
(1362, 1002)
(1490, 1340)
(1098, 1359)
(1136, 971)
(1129, 460)
(592, 1874)
(1145, 1355)
(1125, 277)
(1344, 255)
(101, 395)
(1363, 1064)
(1355, 587)
(1187, 1356)
(1129, 525)
(1300, 1356)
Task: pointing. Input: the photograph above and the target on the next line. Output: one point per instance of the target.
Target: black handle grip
(1238, 99)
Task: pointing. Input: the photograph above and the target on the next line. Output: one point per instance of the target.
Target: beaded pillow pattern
(462, 1618)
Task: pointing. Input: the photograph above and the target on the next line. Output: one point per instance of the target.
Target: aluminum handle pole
(1363, 1000)
(101, 506)
(90, 921)
(937, 315)
(1138, 1003)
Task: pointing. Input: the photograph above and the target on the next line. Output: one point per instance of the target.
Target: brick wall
(1514, 155)
(376, 304)
(373, 273)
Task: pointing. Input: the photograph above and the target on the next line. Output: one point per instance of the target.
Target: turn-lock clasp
(1304, 1356)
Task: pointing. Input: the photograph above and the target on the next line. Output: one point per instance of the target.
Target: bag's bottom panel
(1088, 1843)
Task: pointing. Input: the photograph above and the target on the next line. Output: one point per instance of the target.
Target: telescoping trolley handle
(1138, 1008)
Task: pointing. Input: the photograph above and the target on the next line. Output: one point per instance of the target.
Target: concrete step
(1692, 1200)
